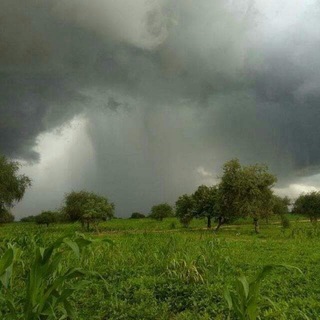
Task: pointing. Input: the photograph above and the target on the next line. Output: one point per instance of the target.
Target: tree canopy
(185, 209)
(309, 205)
(87, 207)
(6, 217)
(46, 217)
(243, 191)
(12, 184)
(246, 191)
(137, 215)
(161, 211)
(206, 203)
(280, 205)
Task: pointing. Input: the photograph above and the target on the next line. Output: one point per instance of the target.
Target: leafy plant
(243, 301)
(48, 287)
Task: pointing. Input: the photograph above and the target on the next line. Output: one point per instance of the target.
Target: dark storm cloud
(165, 86)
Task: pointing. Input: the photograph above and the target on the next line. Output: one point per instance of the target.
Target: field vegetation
(146, 269)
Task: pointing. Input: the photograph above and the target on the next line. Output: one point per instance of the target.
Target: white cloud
(294, 190)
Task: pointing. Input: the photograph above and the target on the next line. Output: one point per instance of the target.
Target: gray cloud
(166, 88)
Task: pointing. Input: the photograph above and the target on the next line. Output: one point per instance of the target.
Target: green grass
(159, 270)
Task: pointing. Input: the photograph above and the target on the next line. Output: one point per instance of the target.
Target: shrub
(137, 215)
(161, 211)
(46, 217)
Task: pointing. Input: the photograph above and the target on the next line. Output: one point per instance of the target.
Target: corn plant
(7, 262)
(48, 287)
(243, 301)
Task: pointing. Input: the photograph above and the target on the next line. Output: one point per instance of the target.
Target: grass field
(159, 270)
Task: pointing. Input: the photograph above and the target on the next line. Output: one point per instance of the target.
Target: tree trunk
(220, 223)
(88, 225)
(209, 222)
(256, 225)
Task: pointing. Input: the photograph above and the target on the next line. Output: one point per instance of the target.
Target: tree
(6, 217)
(28, 219)
(161, 211)
(185, 209)
(246, 191)
(87, 207)
(280, 205)
(137, 215)
(12, 184)
(206, 204)
(46, 217)
(309, 205)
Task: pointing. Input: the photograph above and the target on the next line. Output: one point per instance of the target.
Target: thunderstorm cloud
(155, 95)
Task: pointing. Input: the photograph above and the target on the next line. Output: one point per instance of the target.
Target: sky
(144, 100)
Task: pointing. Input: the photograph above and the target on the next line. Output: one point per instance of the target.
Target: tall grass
(56, 273)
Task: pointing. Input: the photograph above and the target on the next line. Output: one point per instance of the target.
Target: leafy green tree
(246, 191)
(206, 203)
(185, 207)
(137, 215)
(12, 184)
(6, 217)
(309, 205)
(46, 217)
(280, 207)
(161, 211)
(87, 207)
(28, 219)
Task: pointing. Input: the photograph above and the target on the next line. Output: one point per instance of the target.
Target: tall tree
(206, 204)
(246, 191)
(87, 207)
(309, 205)
(185, 207)
(12, 184)
(6, 217)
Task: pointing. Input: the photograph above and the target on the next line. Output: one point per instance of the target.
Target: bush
(6, 216)
(161, 211)
(46, 217)
(137, 215)
(285, 222)
(28, 219)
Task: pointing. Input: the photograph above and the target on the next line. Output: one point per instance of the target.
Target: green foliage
(6, 216)
(137, 215)
(308, 205)
(12, 185)
(161, 211)
(285, 222)
(243, 301)
(87, 207)
(280, 205)
(149, 271)
(47, 217)
(246, 191)
(28, 219)
(206, 203)
(47, 286)
(185, 209)
(203, 203)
